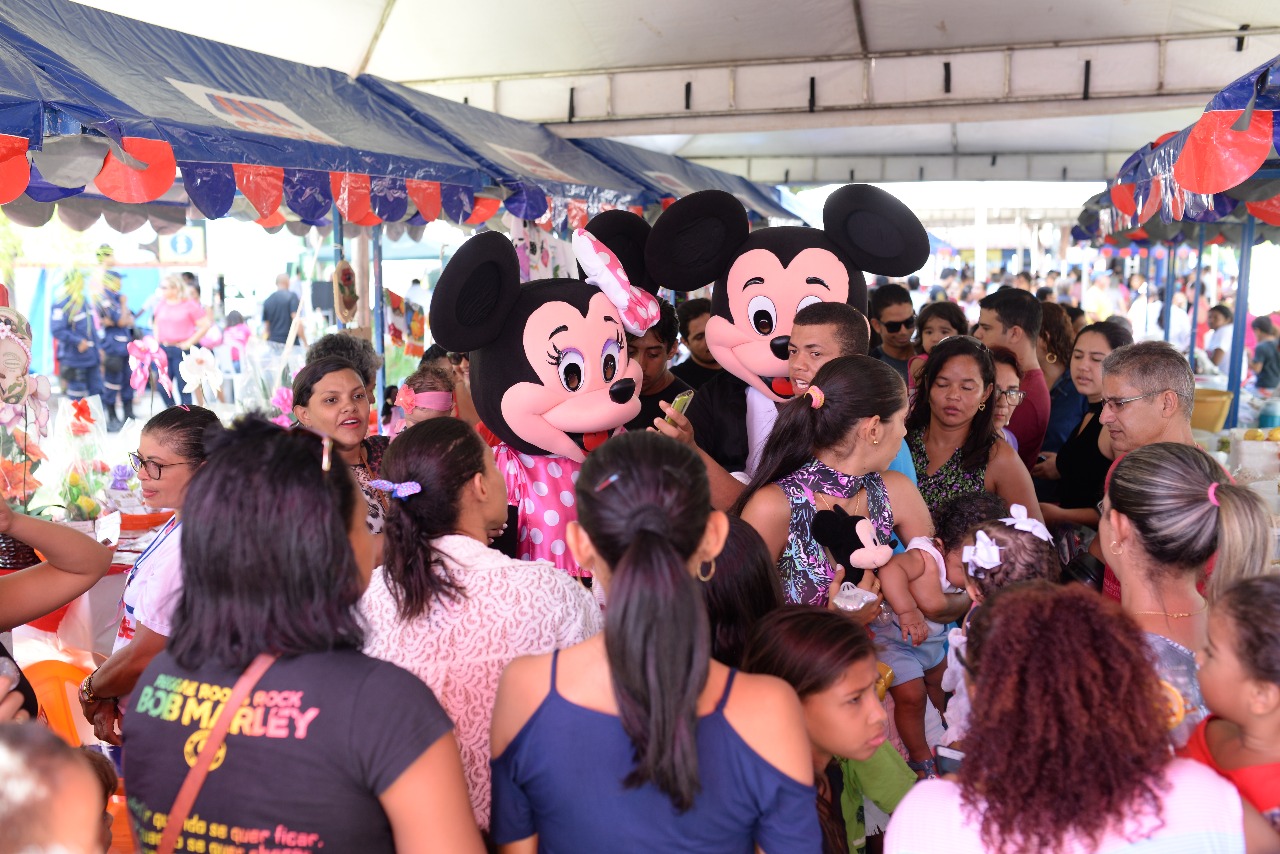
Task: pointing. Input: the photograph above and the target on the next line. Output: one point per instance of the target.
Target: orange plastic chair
(57, 687)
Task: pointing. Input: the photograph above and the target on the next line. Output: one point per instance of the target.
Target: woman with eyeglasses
(1080, 466)
(951, 430)
(1008, 392)
(170, 451)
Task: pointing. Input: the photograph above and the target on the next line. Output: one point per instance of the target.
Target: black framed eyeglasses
(154, 469)
(1115, 404)
(892, 326)
(1014, 396)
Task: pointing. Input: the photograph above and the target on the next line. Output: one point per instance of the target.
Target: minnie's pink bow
(142, 355)
(639, 308)
(440, 401)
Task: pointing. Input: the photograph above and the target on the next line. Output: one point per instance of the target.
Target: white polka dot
(554, 469)
(540, 488)
(512, 468)
(526, 460)
(528, 505)
(622, 275)
(557, 548)
(524, 534)
(551, 517)
(573, 476)
(536, 536)
(526, 556)
(566, 498)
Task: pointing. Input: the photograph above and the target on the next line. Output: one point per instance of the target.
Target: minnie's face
(587, 386)
(764, 297)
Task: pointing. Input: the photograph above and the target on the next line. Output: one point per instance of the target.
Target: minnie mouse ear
(626, 235)
(879, 233)
(476, 292)
(696, 239)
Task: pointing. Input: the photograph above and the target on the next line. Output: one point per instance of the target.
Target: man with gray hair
(1148, 392)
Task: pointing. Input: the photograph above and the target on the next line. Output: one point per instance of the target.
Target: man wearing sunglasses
(893, 317)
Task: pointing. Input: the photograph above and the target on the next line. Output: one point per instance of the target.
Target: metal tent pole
(1240, 323)
(1195, 300)
(1166, 310)
(338, 254)
(377, 318)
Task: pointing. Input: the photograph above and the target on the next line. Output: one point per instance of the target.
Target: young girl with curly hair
(1067, 750)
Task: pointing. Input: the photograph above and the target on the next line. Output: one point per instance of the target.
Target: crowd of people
(1045, 621)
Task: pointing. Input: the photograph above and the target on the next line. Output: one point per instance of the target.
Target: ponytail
(441, 455)
(1185, 510)
(1245, 537)
(644, 501)
(843, 392)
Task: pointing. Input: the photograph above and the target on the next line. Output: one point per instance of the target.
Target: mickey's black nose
(779, 346)
(622, 390)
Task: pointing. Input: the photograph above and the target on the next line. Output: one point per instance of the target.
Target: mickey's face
(764, 296)
(586, 383)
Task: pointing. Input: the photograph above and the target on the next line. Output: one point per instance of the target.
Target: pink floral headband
(439, 401)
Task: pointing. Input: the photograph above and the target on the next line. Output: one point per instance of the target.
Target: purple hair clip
(398, 490)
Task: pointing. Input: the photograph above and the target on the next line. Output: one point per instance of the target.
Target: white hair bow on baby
(984, 554)
(1019, 519)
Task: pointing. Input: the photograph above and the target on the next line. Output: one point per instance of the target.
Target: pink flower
(282, 420)
(283, 399)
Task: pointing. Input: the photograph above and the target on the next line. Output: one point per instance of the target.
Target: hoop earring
(1052, 358)
(705, 578)
(1115, 548)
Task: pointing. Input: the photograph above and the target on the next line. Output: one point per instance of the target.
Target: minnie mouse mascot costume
(550, 374)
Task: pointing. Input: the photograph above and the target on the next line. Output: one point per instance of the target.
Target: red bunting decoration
(370, 218)
(274, 220)
(1216, 158)
(1122, 198)
(483, 210)
(263, 186)
(351, 192)
(15, 169)
(425, 195)
(122, 183)
(578, 213)
(1267, 210)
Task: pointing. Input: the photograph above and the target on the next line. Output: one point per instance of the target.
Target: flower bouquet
(84, 477)
(24, 418)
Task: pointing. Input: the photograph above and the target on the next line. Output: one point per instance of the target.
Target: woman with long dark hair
(743, 590)
(637, 738)
(951, 430)
(1081, 464)
(828, 449)
(1053, 350)
(1069, 753)
(332, 751)
(448, 608)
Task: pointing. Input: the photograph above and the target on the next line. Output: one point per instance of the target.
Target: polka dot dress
(542, 489)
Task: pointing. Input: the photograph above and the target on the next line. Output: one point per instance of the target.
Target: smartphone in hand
(681, 403)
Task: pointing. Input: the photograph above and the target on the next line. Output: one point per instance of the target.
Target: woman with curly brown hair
(1067, 754)
(1053, 349)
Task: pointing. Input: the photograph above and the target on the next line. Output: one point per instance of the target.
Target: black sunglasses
(892, 326)
(455, 358)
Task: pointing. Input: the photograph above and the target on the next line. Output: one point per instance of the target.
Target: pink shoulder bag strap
(195, 777)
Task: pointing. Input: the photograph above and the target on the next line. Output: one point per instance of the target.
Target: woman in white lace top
(448, 608)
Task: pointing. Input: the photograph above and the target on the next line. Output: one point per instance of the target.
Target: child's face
(847, 719)
(1222, 676)
(935, 329)
(419, 414)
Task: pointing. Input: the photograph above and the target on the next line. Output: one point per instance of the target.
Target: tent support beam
(1240, 323)
(1195, 299)
(378, 319)
(373, 41)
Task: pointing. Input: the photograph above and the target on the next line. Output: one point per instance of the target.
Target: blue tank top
(562, 779)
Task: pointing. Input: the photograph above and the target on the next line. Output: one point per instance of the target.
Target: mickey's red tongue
(782, 387)
(591, 441)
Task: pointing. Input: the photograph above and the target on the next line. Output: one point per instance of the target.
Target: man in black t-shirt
(279, 311)
(701, 366)
(653, 351)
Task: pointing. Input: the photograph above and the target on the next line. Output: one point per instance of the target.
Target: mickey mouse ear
(879, 233)
(694, 240)
(626, 235)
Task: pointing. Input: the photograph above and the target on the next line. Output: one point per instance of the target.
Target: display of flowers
(20, 456)
(81, 489)
(85, 477)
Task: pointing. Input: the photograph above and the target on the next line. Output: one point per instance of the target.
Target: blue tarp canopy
(668, 175)
(214, 103)
(526, 158)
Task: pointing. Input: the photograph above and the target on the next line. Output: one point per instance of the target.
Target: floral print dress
(948, 481)
(375, 447)
(806, 572)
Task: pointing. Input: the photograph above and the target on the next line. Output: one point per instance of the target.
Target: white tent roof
(802, 90)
